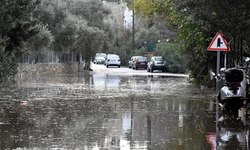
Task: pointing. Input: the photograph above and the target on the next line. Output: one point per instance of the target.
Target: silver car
(99, 58)
(113, 60)
(157, 63)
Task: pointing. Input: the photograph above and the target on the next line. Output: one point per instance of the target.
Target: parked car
(108, 55)
(131, 61)
(140, 62)
(100, 58)
(113, 60)
(157, 63)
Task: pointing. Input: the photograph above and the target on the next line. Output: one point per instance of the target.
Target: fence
(49, 57)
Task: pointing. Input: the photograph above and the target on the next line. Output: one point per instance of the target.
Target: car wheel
(119, 66)
(107, 66)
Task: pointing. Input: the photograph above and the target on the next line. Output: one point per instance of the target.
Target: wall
(49, 68)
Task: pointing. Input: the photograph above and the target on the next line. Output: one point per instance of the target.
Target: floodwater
(114, 112)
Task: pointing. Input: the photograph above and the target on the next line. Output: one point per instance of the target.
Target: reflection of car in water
(231, 134)
(101, 82)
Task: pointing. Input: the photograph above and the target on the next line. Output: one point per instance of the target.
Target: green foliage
(196, 22)
(176, 58)
(40, 41)
(8, 61)
(17, 25)
(125, 49)
(144, 36)
(76, 25)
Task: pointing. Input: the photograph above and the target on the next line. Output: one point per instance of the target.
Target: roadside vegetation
(196, 22)
(79, 25)
(177, 60)
(59, 25)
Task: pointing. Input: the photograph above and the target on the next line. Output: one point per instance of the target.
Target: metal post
(52, 56)
(48, 57)
(28, 58)
(225, 61)
(218, 69)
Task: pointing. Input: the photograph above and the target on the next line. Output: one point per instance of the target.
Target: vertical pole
(52, 55)
(28, 58)
(48, 57)
(133, 29)
(218, 68)
(225, 61)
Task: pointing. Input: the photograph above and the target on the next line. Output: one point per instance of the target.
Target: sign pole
(218, 44)
(218, 63)
(218, 68)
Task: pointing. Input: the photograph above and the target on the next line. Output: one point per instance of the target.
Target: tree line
(196, 22)
(80, 26)
(60, 25)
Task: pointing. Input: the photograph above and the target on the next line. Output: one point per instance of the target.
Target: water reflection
(232, 132)
(104, 112)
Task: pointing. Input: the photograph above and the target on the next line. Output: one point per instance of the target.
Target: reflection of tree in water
(233, 143)
(231, 133)
(15, 126)
(78, 123)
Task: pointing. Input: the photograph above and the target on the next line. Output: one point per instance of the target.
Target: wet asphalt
(115, 109)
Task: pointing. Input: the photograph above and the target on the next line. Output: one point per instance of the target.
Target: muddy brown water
(113, 112)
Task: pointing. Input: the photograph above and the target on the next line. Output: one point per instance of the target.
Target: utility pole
(133, 29)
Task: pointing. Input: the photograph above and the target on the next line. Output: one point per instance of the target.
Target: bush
(177, 60)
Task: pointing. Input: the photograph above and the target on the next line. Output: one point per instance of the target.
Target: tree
(76, 25)
(17, 25)
(197, 21)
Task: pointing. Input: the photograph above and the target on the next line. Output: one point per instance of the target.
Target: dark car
(140, 62)
(132, 60)
(157, 63)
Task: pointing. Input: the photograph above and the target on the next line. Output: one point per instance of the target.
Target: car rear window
(114, 57)
(159, 59)
(101, 55)
(142, 59)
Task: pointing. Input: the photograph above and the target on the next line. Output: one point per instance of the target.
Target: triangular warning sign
(218, 43)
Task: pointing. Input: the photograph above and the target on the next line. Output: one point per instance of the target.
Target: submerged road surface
(114, 109)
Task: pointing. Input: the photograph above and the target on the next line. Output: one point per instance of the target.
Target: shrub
(177, 60)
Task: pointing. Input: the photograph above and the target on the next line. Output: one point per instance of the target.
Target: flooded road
(110, 109)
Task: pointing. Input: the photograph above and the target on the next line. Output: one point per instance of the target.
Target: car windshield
(101, 55)
(159, 59)
(142, 59)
